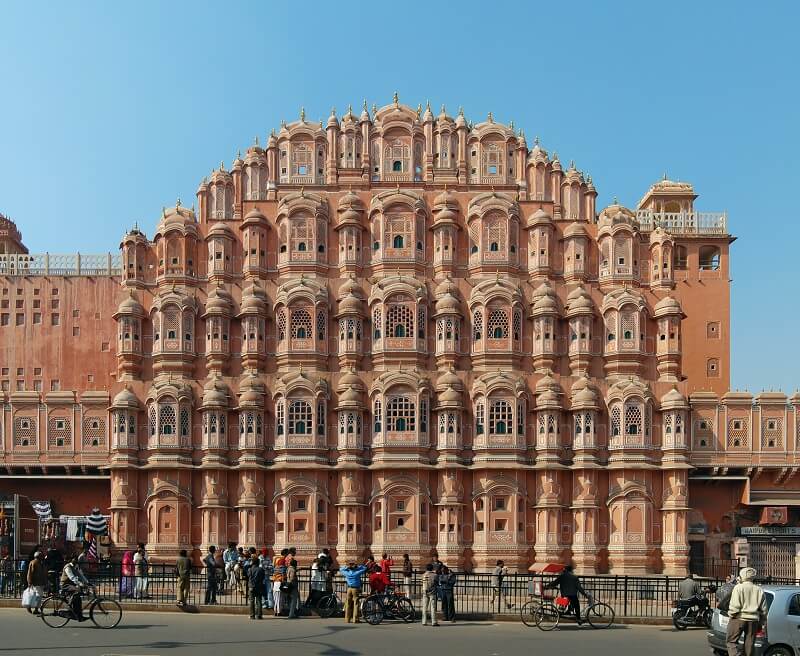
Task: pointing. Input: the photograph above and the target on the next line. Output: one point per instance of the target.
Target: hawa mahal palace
(401, 332)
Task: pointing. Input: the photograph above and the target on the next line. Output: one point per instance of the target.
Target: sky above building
(112, 110)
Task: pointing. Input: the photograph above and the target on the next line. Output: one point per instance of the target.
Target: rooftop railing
(51, 264)
(684, 223)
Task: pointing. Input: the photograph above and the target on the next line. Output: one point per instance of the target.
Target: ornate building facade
(395, 332)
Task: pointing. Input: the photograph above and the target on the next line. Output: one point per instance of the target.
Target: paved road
(168, 634)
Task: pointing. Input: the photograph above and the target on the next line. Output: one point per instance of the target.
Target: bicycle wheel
(528, 612)
(546, 617)
(600, 615)
(105, 613)
(55, 612)
(372, 610)
(404, 609)
(327, 606)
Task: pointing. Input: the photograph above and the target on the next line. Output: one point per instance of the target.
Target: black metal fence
(476, 594)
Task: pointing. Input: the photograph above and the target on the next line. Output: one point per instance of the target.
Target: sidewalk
(129, 607)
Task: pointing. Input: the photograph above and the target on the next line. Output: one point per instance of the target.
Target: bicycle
(56, 611)
(599, 614)
(387, 605)
(528, 612)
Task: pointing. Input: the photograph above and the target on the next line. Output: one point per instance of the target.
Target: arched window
(400, 414)
(299, 418)
(494, 247)
(397, 242)
(498, 324)
(680, 257)
(167, 420)
(301, 246)
(500, 417)
(301, 324)
(477, 325)
(397, 166)
(399, 321)
(709, 258)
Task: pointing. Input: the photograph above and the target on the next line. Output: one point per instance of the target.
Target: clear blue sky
(111, 110)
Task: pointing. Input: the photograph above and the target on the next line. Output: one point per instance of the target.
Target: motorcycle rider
(688, 588)
(73, 581)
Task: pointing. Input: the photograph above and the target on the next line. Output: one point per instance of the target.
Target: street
(147, 633)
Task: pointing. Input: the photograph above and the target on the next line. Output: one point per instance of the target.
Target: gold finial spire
(178, 203)
(302, 191)
(365, 105)
(511, 125)
(396, 98)
(460, 111)
(302, 114)
(443, 111)
(536, 140)
(428, 105)
(350, 109)
(490, 118)
(256, 140)
(615, 201)
(419, 110)
(239, 152)
(222, 166)
(374, 108)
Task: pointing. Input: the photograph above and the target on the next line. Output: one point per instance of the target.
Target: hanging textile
(96, 523)
(93, 550)
(72, 530)
(42, 509)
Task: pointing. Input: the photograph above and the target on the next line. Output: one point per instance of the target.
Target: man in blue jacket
(352, 575)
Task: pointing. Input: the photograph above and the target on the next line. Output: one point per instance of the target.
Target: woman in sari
(126, 580)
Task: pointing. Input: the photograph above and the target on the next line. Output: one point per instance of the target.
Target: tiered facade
(391, 332)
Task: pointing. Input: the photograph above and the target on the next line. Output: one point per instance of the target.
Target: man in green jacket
(183, 568)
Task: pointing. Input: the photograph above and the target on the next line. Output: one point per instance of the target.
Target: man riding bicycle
(73, 581)
(569, 585)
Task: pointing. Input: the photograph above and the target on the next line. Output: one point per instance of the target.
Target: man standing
(142, 570)
(37, 576)
(408, 574)
(498, 593)
(747, 610)
(430, 592)
(210, 562)
(688, 587)
(447, 584)
(352, 576)
(293, 589)
(183, 568)
(569, 585)
(279, 573)
(256, 579)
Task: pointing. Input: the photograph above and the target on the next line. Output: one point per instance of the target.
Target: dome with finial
(446, 300)
(130, 307)
(332, 120)
(538, 218)
(461, 122)
(547, 383)
(221, 176)
(537, 154)
(364, 113)
(179, 217)
(251, 391)
(616, 214)
(220, 229)
(351, 201)
(125, 398)
(351, 304)
(576, 229)
(215, 393)
(666, 307)
(556, 163)
(254, 299)
(579, 302)
(237, 162)
(427, 117)
(445, 208)
(219, 301)
(449, 379)
(583, 394)
(255, 217)
(349, 378)
(544, 300)
(673, 399)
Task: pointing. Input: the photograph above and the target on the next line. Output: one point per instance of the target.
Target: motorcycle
(696, 611)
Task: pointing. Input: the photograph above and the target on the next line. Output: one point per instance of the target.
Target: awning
(546, 568)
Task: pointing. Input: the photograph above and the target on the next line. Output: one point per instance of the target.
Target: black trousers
(211, 589)
(575, 605)
(73, 593)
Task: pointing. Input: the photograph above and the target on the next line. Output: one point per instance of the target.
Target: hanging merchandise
(96, 523)
(42, 509)
(72, 530)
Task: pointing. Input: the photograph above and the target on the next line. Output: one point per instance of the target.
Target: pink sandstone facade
(397, 332)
